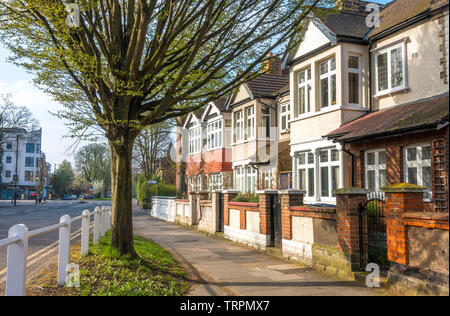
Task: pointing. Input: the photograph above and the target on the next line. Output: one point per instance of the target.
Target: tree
(12, 117)
(63, 178)
(94, 162)
(150, 145)
(133, 63)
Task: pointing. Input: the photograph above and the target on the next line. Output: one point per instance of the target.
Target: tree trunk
(180, 165)
(122, 209)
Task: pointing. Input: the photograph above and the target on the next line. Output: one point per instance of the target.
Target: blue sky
(18, 82)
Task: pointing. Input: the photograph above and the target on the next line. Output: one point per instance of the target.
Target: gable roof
(398, 12)
(219, 104)
(425, 113)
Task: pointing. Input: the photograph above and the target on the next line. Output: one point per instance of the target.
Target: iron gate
(372, 232)
(275, 220)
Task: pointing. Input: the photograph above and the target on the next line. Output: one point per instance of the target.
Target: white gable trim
(188, 120)
(313, 38)
(211, 108)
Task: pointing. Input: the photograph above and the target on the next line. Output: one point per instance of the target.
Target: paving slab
(222, 268)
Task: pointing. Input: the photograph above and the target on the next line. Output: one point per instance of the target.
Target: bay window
(327, 71)
(195, 140)
(354, 80)
(375, 169)
(239, 126)
(239, 179)
(329, 171)
(390, 68)
(285, 117)
(418, 166)
(251, 179)
(215, 182)
(304, 92)
(250, 112)
(214, 135)
(306, 173)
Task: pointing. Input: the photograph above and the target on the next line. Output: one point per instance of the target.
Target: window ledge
(391, 92)
(313, 114)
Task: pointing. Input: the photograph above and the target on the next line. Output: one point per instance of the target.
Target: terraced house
(208, 134)
(405, 136)
(329, 86)
(256, 110)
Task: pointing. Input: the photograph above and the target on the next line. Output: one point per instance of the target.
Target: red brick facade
(394, 158)
(214, 161)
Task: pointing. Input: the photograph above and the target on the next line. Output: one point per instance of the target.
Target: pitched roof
(415, 115)
(346, 24)
(399, 11)
(221, 104)
(267, 85)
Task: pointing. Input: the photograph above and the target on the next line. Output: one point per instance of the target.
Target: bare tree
(150, 145)
(134, 63)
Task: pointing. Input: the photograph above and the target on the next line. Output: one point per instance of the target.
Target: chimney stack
(272, 65)
(351, 6)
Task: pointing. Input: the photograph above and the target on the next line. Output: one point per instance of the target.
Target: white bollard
(102, 221)
(64, 248)
(96, 225)
(17, 261)
(85, 232)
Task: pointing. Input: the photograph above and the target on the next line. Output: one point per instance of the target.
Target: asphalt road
(38, 216)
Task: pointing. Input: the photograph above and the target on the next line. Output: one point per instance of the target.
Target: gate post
(400, 198)
(228, 196)
(215, 205)
(348, 202)
(265, 209)
(289, 198)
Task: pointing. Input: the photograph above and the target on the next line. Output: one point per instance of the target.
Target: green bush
(164, 189)
(145, 191)
(248, 198)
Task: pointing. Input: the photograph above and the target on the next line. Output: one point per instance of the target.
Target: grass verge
(106, 273)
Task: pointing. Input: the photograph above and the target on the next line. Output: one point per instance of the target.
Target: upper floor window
(390, 69)
(327, 72)
(239, 129)
(250, 112)
(9, 159)
(354, 80)
(265, 122)
(38, 148)
(195, 140)
(285, 116)
(30, 148)
(418, 166)
(9, 145)
(29, 161)
(29, 175)
(8, 174)
(304, 92)
(375, 163)
(214, 135)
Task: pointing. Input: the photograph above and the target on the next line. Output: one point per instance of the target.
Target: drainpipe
(353, 162)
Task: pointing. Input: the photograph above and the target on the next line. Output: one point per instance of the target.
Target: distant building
(23, 166)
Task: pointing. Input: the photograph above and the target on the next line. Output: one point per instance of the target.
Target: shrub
(248, 197)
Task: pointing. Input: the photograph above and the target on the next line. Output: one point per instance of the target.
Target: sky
(18, 83)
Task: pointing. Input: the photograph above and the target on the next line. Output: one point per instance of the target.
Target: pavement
(41, 249)
(221, 267)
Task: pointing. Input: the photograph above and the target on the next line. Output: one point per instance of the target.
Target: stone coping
(427, 215)
(307, 208)
(181, 200)
(351, 190)
(291, 191)
(403, 188)
(247, 204)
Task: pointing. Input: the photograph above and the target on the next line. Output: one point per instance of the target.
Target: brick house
(208, 164)
(256, 110)
(405, 137)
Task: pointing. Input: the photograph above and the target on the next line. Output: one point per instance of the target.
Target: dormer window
(390, 69)
(354, 80)
(327, 72)
(285, 117)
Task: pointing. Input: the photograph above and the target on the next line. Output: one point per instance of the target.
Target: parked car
(66, 197)
(73, 197)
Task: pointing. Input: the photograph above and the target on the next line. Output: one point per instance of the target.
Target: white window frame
(388, 51)
(239, 126)
(306, 85)
(215, 182)
(328, 75)
(329, 164)
(195, 140)
(215, 135)
(285, 114)
(306, 166)
(419, 164)
(377, 167)
(357, 71)
(251, 176)
(250, 122)
(239, 178)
